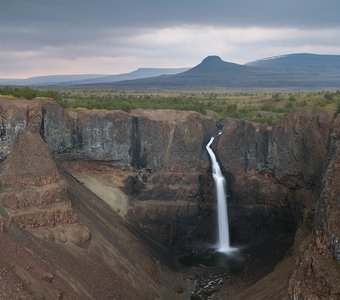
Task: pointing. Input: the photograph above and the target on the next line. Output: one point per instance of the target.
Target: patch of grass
(259, 106)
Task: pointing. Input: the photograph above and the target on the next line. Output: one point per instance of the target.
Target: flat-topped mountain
(300, 63)
(48, 80)
(139, 73)
(71, 80)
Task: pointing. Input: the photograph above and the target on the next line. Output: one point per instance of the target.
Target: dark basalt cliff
(317, 269)
(276, 175)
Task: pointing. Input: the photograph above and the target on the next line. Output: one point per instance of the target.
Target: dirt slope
(117, 263)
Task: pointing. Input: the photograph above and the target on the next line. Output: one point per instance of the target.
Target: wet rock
(334, 245)
(133, 186)
(205, 287)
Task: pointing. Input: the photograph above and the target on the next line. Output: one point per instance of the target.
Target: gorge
(113, 194)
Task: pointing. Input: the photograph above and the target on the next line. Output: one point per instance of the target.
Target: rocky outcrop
(317, 270)
(13, 119)
(33, 193)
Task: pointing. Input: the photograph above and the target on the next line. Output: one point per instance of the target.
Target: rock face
(273, 172)
(275, 176)
(14, 118)
(157, 139)
(317, 270)
(33, 193)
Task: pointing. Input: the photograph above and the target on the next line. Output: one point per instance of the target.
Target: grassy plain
(260, 106)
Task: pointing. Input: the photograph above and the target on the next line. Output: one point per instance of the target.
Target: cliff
(60, 241)
(151, 167)
(317, 269)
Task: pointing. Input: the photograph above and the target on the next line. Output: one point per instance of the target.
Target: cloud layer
(40, 37)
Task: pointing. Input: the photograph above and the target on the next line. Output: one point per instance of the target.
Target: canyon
(100, 204)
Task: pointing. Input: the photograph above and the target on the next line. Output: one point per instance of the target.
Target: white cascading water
(222, 212)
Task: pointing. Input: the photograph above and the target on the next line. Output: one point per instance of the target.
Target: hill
(214, 64)
(211, 72)
(290, 71)
(301, 63)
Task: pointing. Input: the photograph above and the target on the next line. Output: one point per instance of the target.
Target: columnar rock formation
(273, 171)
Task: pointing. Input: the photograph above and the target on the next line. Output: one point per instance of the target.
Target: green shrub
(277, 97)
(329, 96)
(29, 93)
(337, 110)
(268, 107)
(292, 98)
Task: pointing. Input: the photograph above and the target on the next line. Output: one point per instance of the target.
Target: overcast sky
(47, 37)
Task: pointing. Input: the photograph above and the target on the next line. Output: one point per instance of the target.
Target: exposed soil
(118, 263)
(168, 115)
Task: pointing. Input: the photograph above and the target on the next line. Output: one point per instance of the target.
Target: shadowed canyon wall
(279, 178)
(273, 173)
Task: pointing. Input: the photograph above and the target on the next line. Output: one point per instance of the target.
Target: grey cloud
(71, 29)
(296, 13)
(30, 24)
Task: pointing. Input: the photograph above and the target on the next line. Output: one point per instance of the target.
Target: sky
(54, 37)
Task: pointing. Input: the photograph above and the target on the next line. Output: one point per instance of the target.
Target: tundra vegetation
(259, 106)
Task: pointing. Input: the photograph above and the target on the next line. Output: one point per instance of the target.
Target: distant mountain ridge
(47, 80)
(311, 71)
(70, 80)
(300, 63)
(299, 70)
(139, 73)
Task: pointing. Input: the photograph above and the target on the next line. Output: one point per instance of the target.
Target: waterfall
(222, 212)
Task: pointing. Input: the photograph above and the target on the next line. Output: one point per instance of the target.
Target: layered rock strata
(33, 193)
